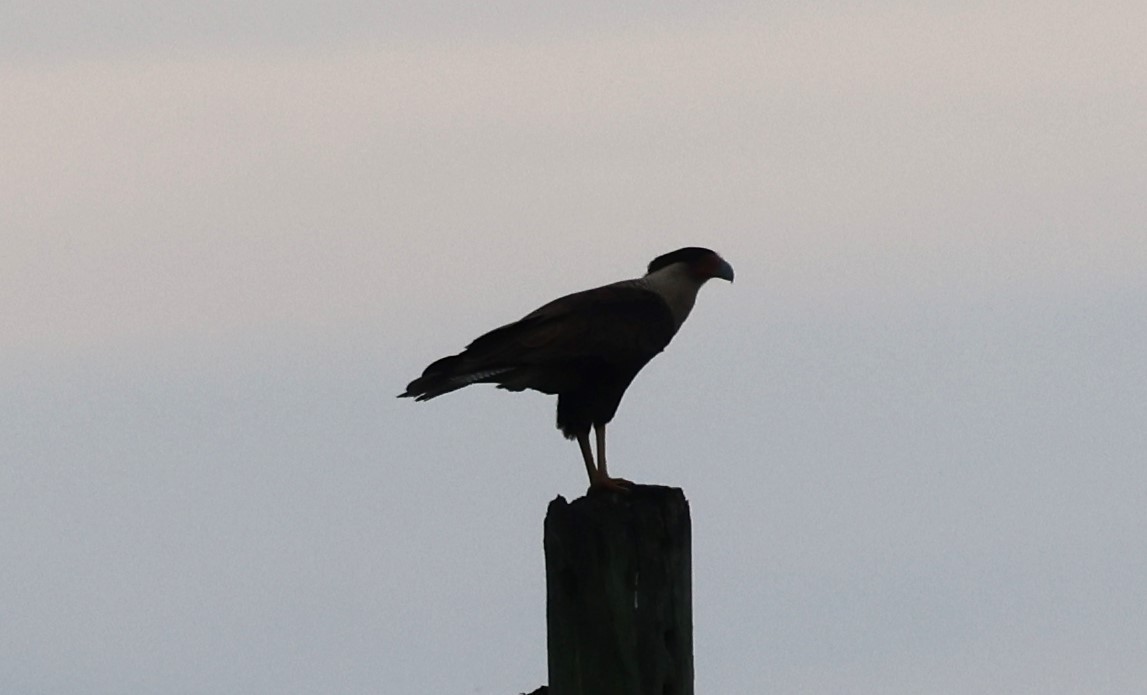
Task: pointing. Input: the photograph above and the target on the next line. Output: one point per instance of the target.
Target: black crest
(689, 254)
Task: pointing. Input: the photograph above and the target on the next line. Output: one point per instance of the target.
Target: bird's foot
(604, 483)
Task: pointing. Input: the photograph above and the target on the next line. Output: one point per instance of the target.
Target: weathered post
(619, 608)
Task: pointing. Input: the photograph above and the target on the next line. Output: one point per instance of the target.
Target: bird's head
(677, 276)
(700, 264)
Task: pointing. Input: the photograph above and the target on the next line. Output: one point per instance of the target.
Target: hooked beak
(723, 270)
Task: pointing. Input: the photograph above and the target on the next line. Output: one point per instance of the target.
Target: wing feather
(616, 321)
(618, 324)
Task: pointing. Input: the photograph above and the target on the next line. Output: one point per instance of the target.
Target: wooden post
(619, 607)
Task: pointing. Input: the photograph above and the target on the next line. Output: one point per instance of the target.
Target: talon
(606, 483)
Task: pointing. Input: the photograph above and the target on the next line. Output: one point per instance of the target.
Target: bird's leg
(587, 455)
(599, 435)
(599, 478)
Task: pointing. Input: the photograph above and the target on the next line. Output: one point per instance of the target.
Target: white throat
(677, 286)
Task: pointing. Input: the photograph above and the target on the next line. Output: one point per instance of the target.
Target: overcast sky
(912, 432)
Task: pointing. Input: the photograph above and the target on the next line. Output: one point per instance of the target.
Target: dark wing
(621, 324)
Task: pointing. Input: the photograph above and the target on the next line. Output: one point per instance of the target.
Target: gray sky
(912, 432)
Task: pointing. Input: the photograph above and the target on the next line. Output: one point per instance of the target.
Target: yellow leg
(599, 435)
(587, 456)
(599, 476)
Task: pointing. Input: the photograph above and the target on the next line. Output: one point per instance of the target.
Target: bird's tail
(450, 374)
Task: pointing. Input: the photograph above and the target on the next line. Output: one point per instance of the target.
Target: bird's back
(603, 334)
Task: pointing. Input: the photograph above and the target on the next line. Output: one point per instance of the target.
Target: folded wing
(617, 327)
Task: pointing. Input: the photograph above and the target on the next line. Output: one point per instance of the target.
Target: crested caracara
(585, 347)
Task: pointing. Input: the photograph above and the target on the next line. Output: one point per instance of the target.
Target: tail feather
(493, 358)
(450, 374)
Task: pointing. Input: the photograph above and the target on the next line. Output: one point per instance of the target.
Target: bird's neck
(677, 286)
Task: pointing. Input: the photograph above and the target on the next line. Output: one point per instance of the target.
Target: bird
(585, 348)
